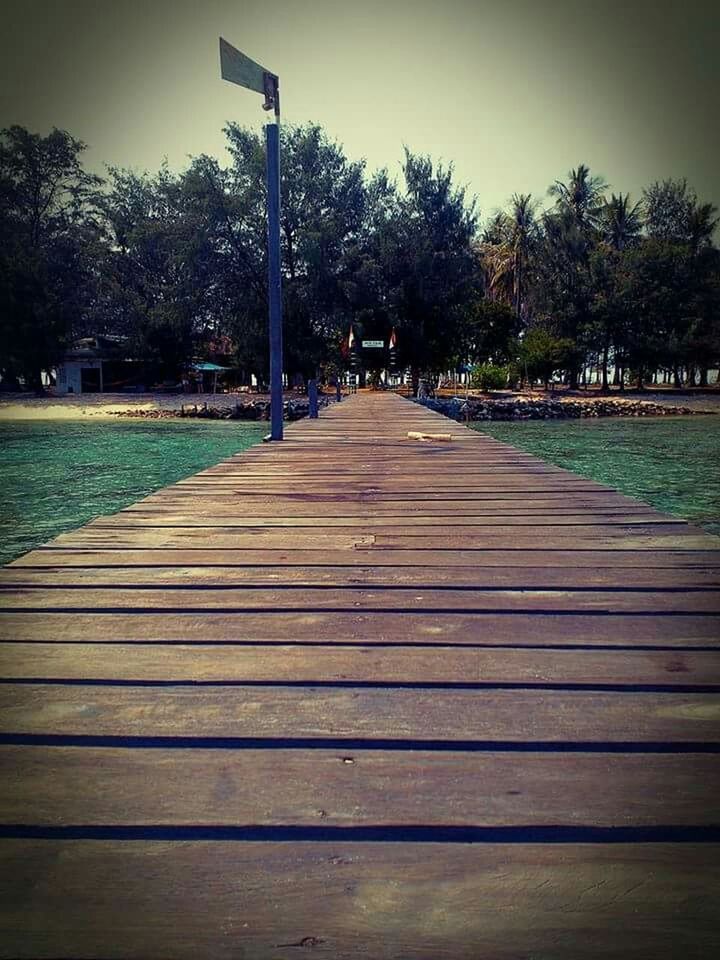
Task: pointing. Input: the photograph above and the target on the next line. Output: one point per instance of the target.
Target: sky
(513, 93)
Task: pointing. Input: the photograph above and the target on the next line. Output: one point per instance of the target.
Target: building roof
(205, 366)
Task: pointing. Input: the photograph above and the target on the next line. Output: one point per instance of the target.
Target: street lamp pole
(272, 139)
(240, 69)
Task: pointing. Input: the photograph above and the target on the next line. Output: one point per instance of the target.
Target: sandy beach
(113, 405)
(110, 406)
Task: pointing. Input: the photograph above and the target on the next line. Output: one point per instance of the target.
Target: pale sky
(513, 92)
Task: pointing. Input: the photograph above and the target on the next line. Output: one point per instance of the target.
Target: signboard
(237, 68)
(373, 343)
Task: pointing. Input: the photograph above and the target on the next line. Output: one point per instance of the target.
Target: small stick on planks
(415, 435)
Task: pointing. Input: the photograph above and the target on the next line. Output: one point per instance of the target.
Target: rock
(526, 408)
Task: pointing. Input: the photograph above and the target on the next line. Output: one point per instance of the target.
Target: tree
(563, 287)
(542, 354)
(619, 223)
(582, 197)
(160, 270)
(323, 198)
(231, 202)
(49, 231)
(523, 233)
(497, 262)
(673, 214)
(491, 329)
(430, 267)
(505, 250)
(177, 263)
(680, 254)
(655, 278)
(619, 229)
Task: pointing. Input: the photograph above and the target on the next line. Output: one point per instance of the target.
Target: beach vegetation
(171, 264)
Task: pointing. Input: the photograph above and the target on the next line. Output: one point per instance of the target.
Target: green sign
(373, 343)
(237, 68)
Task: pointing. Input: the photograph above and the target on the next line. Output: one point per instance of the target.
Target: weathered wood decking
(359, 696)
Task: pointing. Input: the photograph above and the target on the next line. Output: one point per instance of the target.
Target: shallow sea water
(58, 475)
(672, 463)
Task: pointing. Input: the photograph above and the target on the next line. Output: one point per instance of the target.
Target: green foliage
(673, 214)
(323, 205)
(159, 268)
(428, 267)
(543, 354)
(581, 198)
(620, 222)
(489, 376)
(176, 263)
(48, 235)
(491, 328)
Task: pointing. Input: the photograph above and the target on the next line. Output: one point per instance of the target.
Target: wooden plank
(352, 471)
(623, 537)
(352, 899)
(378, 664)
(255, 537)
(372, 495)
(329, 576)
(620, 538)
(471, 487)
(316, 787)
(392, 713)
(568, 558)
(420, 524)
(383, 531)
(514, 629)
(336, 513)
(350, 599)
(430, 500)
(493, 481)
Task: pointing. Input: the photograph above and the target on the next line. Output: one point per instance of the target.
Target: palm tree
(523, 229)
(493, 252)
(505, 248)
(620, 223)
(497, 229)
(582, 196)
(497, 263)
(571, 232)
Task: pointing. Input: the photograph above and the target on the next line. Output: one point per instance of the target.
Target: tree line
(173, 265)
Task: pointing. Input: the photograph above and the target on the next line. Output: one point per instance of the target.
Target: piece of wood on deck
(355, 695)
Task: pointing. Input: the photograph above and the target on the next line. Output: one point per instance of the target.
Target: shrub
(489, 376)
(542, 354)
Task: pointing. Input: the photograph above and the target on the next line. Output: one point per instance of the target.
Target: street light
(239, 69)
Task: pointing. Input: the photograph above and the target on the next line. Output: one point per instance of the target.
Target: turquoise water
(672, 463)
(58, 475)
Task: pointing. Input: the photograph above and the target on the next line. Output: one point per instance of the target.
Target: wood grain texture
(359, 599)
(346, 713)
(329, 576)
(466, 629)
(354, 635)
(317, 788)
(258, 901)
(364, 663)
(570, 559)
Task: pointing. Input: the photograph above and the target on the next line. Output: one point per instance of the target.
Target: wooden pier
(356, 695)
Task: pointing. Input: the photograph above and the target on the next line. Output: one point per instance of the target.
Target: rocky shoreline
(253, 410)
(540, 408)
